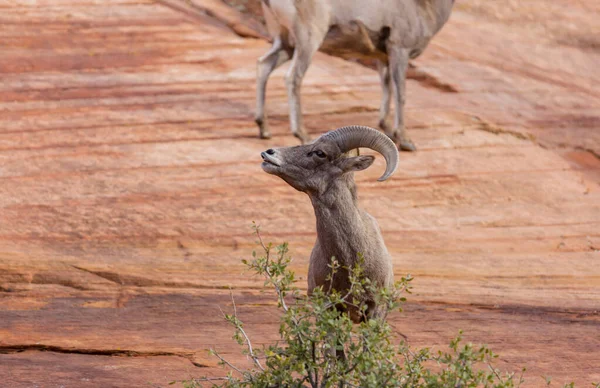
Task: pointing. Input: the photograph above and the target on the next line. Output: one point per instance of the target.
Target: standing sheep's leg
(398, 64)
(307, 44)
(275, 57)
(384, 110)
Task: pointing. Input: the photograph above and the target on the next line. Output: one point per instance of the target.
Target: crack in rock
(486, 126)
(48, 279)
(11, 349)
(139, 281)
(429, 80)
(594, 153)
(489, 127)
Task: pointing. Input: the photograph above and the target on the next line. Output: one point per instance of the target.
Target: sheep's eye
(319, 153)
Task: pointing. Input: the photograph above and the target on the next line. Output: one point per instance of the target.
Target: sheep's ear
(357, 163)
(354, 152)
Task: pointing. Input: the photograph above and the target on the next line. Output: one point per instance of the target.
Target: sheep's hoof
(406, 145)
(263, 128)
(386, 128)
(304, 138)
(403, 143)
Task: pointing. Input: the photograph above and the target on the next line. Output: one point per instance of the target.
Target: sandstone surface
(130, 175)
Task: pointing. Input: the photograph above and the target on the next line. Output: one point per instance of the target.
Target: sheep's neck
(340, 225)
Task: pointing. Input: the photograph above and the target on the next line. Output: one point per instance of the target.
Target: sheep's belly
(355, 41)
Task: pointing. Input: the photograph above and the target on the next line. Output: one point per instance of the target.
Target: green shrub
(321, 347)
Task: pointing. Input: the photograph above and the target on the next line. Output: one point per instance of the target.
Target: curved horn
(355, 136)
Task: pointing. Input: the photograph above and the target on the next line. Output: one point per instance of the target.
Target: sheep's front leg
(384, 110)
(275, 57)
(398, 64)
(307, 44)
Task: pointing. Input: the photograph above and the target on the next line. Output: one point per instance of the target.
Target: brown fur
(326, 174)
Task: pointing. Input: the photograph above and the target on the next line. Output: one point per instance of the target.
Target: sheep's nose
(264, 154)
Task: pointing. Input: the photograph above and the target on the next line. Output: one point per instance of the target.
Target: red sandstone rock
(130, 174)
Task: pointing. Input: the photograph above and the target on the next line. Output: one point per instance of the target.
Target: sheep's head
(311, 167)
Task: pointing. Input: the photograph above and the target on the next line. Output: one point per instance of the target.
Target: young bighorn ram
(324, 171)
(391, 31)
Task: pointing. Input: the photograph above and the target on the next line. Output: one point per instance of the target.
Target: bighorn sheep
(391, 31)
(324, 171)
